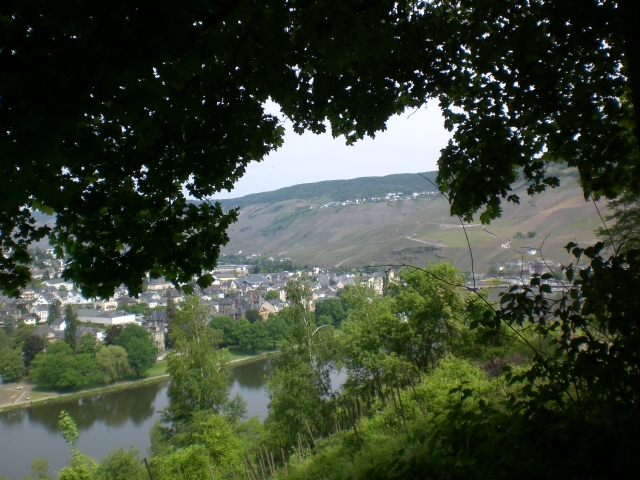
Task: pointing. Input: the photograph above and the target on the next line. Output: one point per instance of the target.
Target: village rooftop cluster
(233, 293)
(389, 197)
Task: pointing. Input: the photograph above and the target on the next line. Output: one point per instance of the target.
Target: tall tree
(437, 313)
(33, 345)
(332, 308)
(226, 325)
(112, 334)
(88, 344)
(170, 317)
(199, 372)
(72, 322)
(277, 328)
(251, 336)
(624, 223)
(113, 363)
(299, 389)
(141, 352)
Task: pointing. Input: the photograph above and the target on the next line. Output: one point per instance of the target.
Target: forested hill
(340, 190)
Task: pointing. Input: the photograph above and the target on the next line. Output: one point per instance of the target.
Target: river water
(106, 421)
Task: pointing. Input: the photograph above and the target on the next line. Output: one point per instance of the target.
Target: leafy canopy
(108, 112)
(141, 352)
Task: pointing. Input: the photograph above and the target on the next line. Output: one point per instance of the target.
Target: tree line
(73, 363)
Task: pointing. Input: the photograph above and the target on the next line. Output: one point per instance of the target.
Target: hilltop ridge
(339, 190)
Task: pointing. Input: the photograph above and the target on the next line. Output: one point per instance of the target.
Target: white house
(30, 320)
(42, 311)
(59, 282)
(59, 325)
(113, 317)
(41, 300)
(110, 304)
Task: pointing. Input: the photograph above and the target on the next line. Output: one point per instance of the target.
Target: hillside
(408, 230)
(339, 190)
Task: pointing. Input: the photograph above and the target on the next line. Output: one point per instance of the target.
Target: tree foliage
(332, 308)
(11, 368)
(226, 325)
(170, 315)
(113, 363)
(72, 322)
(112, 334)
(181, 103)
(276, 328)
(299, 390)
(57, 369)
(252, 336)
(88, 344)
(54, 311)
(32, 346)
(272, 295)
(81, 467)
(121, 464)
(199, 372)
(624, 228)
(438, 314)
(208, 441)
(252, 315)
(141, 352)
(39, 469)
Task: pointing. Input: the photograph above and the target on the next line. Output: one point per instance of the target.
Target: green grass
(240, 353)
(159, 368)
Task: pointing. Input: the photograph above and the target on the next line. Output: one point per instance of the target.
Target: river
(107, 421)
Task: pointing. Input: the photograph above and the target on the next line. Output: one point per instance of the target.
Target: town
(234, 292)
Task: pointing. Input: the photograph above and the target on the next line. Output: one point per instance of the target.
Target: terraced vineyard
(413, 230)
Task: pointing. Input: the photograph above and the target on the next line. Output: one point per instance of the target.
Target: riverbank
(26, 390)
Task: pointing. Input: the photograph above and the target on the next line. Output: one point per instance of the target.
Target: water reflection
(110, 420)
(113, 409)
(253, 375)
(105, 421)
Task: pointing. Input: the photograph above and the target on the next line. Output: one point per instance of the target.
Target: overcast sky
(411, 143)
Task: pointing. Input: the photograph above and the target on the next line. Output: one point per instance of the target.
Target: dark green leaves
(112, 117)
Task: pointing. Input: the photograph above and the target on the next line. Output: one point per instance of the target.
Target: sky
(411, 144)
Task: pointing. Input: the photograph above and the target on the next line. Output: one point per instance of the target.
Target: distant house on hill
(48, 333)
(58, 282)
(96, 333)
(159, 284)
(30, 319)
(28, 295)
(113, 317)
(59, 324)
(41, 300)
(230, 269)
(127, 301)
(42, 311)
(157, 330)
(266, 308)
(157, 316)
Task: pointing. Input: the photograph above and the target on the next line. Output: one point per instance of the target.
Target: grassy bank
(62, 397)
(157, 373)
